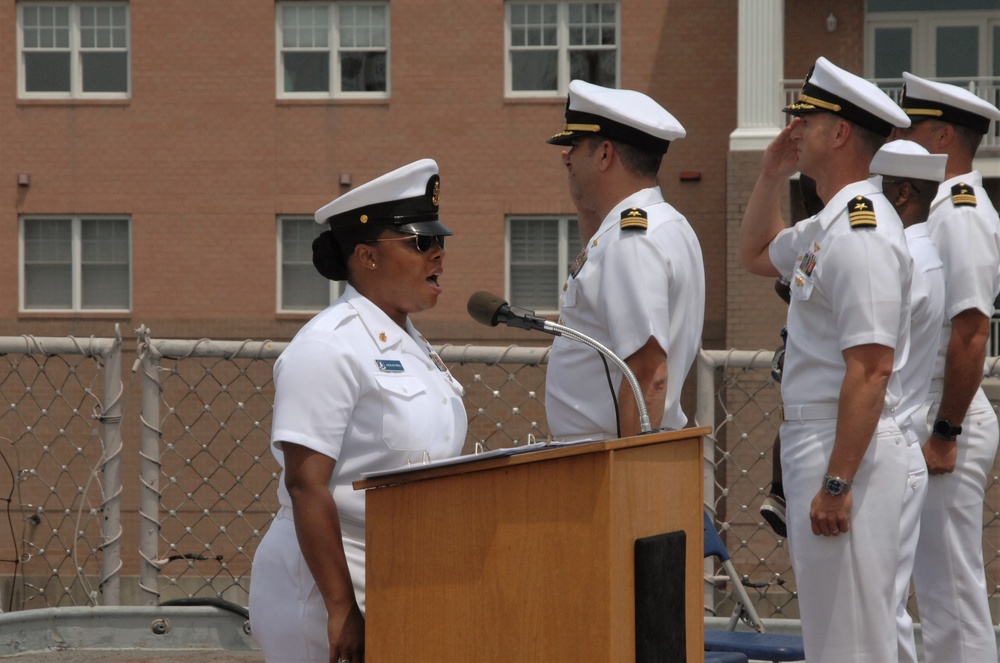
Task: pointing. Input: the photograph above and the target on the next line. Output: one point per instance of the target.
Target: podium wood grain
(528, 557)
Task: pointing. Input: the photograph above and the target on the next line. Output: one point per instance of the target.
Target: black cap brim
(429, 228)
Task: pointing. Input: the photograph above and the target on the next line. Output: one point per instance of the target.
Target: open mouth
(433, 279)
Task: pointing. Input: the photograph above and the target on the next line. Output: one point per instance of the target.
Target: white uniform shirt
(354, 386)
(849, 287)
(968, 241)
(631, 285)
(927, 297)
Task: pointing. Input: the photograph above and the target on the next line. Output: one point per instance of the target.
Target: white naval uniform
(849, 287)
(948, 574)
(632, 285)
(356, 387)
(926, 317)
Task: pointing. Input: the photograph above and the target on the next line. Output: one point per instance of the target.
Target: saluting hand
(781, 158)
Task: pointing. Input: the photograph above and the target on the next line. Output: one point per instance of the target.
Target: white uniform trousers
(293, 630)
(948, 574)
(846, 583)
(909, 532)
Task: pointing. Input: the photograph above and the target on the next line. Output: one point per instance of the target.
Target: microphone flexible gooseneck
(491, 310)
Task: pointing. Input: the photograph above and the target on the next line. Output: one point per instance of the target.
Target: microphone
(491, 310)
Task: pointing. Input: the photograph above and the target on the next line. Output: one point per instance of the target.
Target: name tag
(389, 365)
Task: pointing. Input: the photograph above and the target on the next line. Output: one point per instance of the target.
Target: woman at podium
(357, 390)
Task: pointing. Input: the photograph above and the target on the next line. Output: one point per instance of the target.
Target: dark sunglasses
(424, 243)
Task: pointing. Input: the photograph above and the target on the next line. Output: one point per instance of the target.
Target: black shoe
(773, 511)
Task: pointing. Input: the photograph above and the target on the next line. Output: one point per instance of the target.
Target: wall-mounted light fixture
(24, 179)
(345, 179)
(831, 22)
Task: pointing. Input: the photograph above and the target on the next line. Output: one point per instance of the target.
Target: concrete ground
(137, 656)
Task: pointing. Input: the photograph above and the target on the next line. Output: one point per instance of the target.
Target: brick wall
(203, 157)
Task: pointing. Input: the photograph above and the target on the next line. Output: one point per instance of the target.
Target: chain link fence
(160, 487)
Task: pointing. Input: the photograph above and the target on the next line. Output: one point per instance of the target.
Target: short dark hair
(871, 141)
(638, 160)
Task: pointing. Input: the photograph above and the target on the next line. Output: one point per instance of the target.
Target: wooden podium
(530, 557)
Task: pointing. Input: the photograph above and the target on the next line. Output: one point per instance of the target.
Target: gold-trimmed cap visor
(814, 99)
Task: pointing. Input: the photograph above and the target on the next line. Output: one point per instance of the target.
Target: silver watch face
(836, 486)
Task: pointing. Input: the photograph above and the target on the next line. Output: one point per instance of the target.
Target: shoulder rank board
(963, 195)
(634, 218)
(861, 213)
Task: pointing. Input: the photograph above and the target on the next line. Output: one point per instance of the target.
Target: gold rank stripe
(826, 105)
(930, 112)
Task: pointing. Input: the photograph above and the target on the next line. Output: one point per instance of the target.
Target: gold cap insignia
(436, 194)
(861, 213)
(634, 218)
(963, 195)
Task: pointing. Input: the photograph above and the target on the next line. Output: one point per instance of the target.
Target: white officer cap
(906, 159)
(923, 99)
(830, 89)
(404, 200)
(625, 115)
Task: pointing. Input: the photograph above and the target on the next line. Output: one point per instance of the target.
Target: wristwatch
(835, 485)
(945, 431)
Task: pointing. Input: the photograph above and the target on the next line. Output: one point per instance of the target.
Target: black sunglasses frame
(423, 243)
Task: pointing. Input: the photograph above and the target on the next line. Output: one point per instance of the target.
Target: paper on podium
(457, 460)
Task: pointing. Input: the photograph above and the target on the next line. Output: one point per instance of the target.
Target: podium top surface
(473, 463)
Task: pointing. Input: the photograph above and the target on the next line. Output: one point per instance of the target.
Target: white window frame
(76, 61)
(333, 49)
(562, 46)
(567, 239)
(76, 250)
(336, 287)
(924, 37)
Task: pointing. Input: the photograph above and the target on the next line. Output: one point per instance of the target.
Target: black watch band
(944, 430)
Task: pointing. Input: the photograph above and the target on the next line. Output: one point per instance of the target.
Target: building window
(333, 49)
(540, 251)
(300, 287)
(76, 264)
(73, 50)
(960, 47)
(551, 43)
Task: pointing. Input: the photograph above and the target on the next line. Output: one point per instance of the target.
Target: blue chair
(756, 644)
(725, 657)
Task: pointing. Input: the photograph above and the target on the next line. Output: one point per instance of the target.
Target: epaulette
(861, 213)
(634, 219)
(963, 195)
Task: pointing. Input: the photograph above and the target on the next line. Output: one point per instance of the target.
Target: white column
(760, 70)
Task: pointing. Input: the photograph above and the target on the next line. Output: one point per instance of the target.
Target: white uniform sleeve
(316, 391)
(969, 251)
(865, 290)
(635, 282)
(783, 251)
